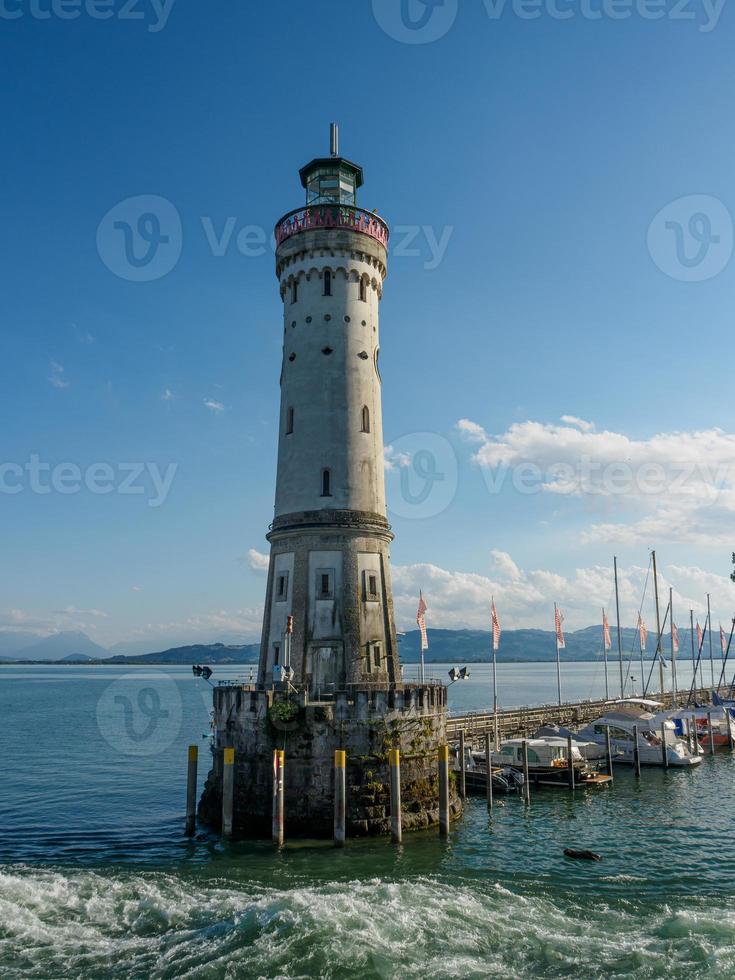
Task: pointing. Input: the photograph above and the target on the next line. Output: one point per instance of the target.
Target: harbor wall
(365, 722)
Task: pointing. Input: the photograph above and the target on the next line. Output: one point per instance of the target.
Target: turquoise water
(97, 880)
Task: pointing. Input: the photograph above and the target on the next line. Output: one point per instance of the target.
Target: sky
(557, 336)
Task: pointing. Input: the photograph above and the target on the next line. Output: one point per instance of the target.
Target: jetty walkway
(522, 722)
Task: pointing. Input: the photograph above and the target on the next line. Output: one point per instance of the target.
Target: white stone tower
(329, 609)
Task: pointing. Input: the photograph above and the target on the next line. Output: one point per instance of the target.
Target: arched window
(365, 418)
(327, 282)
(294, 291)
(289, 421)
(363, 291)
(326, 483)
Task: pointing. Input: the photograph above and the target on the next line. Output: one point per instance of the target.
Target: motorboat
(621, 717)
(721, 718)
(547, 761)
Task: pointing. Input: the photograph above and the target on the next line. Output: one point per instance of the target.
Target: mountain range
(445, 646)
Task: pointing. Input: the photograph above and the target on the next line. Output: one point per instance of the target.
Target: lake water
(97, 880)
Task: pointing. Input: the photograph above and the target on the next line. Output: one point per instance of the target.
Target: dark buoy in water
(570, 852)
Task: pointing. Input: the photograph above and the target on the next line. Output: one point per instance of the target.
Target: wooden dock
(522, 722)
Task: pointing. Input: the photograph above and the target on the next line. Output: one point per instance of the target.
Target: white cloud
(525, 598)
(167, 396)
(56, 378)
(136, 588)
(393, 458)
(258, 561)
(675, 487)
(578, 423)
(73, 611)
(213, 405)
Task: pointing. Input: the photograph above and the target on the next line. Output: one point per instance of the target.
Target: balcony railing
(332, 216)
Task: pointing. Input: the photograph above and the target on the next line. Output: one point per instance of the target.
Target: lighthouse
(329, 679)
(329, 608)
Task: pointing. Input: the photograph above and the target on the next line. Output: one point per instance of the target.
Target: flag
(496, 627)
(607, 642)
(642, 632)
(421, 622)
(674, 638)
(700, 637)
(723, 641)
(558, 620)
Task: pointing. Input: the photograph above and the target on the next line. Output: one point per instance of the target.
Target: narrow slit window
(324, 583)
(365, 419)
(294, 292)
(289, 422)
(326, 483)
(327, 282)
(363, 291)
(276, 654)
(282, 587)
(376, 655)
(372, 587)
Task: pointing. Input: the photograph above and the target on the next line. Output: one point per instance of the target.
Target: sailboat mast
(558, 660)
(674, 686)
(617, 614)
(604, 654)
(658, 629)
(709, 622)
(694, 662)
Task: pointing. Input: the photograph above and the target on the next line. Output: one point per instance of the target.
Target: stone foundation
(365, 722)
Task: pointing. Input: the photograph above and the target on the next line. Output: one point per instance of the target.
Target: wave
(89, 924)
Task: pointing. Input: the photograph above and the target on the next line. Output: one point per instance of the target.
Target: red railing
(332, 216)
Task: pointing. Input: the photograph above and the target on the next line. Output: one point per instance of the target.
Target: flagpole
(604, 653)
(643, 669)
(558, 659)
(620, 642)
(711, 661)
(674, 688)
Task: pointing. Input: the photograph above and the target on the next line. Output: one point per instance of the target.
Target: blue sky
(555, 160)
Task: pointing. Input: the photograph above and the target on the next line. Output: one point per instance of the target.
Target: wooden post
(636, 753)
(570, 763)
(711, 734)
(664, 750)
(489, 767)
(191, 791)
(462, 787)
(340, 797)
(395, 795)
(228, 790)
(444, 790)
(608, 750)
(278, 794)
(526, 780)
(695, 739)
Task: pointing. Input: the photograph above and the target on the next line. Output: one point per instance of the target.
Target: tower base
(364, 721)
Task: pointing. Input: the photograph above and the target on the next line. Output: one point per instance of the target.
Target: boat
(547, 761)
(621, 717)
(721, 718)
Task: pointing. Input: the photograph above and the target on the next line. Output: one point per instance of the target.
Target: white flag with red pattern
(496, 627)
(421, 622)
(674, 637)
(700, 637)
(723, 641)
(606, 639)
(642, 632)
(558, 620)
